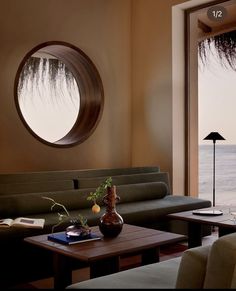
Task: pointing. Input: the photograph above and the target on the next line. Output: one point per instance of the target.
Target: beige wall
(130, 42)
(101, 28)
(158, 87)
(152, 139)
(152, 83)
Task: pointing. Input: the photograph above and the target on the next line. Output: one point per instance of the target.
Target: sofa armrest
(220, 272)
(233, 282)
(192, 270)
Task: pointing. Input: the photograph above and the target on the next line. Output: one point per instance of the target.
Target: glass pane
(49, 97)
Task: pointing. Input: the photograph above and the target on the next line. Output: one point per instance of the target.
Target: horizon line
(218, 144)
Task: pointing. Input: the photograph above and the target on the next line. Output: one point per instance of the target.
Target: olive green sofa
(145, 195)
(206, 267)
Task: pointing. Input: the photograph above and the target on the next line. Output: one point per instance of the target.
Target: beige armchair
(206, 267)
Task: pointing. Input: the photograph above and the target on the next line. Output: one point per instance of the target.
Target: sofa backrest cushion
(25, 177)
(126, 179)
(34, 187)
(32, 203)
(141, 191)
(117, 171)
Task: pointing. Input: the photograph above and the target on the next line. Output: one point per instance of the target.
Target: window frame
(90, 86)
(191, 99)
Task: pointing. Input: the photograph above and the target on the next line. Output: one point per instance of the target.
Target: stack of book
(61, 237)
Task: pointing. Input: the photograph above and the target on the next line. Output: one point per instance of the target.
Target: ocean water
(225, 173)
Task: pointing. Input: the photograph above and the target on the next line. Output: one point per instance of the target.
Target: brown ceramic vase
(111, 222)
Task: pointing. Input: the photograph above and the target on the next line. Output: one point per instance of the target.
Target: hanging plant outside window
(225, 47)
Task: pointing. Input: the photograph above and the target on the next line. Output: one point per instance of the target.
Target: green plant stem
(58, 204)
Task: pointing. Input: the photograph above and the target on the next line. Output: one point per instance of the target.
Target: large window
(217, 37)
(217, 103)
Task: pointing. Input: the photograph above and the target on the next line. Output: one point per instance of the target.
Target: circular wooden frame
(90, 87)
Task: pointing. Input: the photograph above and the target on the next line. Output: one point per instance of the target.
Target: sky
(217, 101)
(50, 111)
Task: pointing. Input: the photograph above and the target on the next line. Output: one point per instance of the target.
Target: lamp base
(208, 212)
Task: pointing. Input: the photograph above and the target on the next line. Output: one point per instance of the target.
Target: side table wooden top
(224, 220)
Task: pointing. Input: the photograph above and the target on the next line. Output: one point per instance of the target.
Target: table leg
(62, 271)
(104, 267)
(194, 234)
(150, 256)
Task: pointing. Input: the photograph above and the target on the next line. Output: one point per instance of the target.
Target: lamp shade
(214, 136)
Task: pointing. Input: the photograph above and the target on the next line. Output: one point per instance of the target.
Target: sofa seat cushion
(177, 203)
(16, 234)
(158, 275)
(141, 213)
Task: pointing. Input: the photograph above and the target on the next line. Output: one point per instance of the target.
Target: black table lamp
(214, 136)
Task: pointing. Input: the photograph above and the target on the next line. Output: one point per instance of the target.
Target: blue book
(63, 239)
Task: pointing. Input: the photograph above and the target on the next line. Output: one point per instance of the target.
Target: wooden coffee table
(103, 256)
(195, 222)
